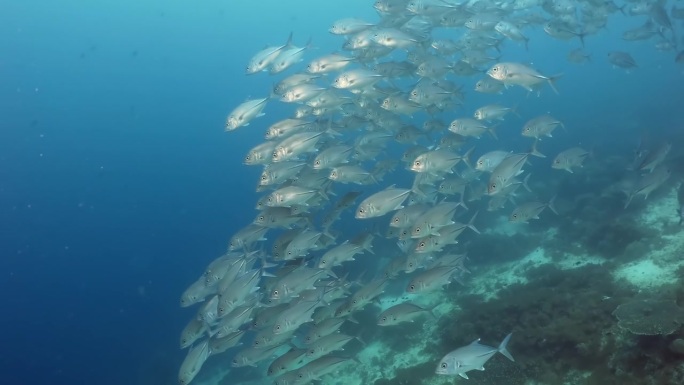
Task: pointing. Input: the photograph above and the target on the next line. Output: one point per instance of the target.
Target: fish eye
(275, 292)
(396, 220)
(444, 365)
(422, 244)
(418, 230)
(384, 319)
(277, 327)
(515, 215)
(417, 163)
(412, 287)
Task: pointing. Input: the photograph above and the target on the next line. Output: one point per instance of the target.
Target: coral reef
(564, 331)
(650, 316)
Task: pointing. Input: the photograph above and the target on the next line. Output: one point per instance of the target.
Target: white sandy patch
(659, 266)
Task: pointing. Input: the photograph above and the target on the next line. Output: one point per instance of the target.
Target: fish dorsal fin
(476, 342)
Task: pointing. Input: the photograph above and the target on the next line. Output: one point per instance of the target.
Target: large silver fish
(193, 362)
(243, 114)
(382, 202)
(521, 75)
(471, 357)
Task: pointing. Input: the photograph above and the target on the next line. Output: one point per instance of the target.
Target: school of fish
(387, 102)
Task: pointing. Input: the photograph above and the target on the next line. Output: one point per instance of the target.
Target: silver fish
(622, 60)
(382, 202)
(294, 316)
(243, 114)
(193, 362)
(400, 313)
(531, 210)
(570, 158)
(323, 328)
(432, 279)
(539, 126)
(262, 59)
(471, 357)
(520, 75)
(287, 362)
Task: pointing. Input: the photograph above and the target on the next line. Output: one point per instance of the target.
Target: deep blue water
(118, 184)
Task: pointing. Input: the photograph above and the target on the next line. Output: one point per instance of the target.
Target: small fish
(193, 362)
(471, 357)
(349, 26)
(265, 57)
(432, 279)
(489, 161)
(531, 210)
(356, 79)
(521, 75)
(382, 202)
(541, 126)
(289, 361)
(511, 31)
(649, 182)
(244, 113)
(294, 316)
(578, 56)
(622, 60)
(400, 313)
(492, 112)
(572, 157)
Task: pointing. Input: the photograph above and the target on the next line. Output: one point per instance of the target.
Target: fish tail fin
(533, 150)
(514, 110)
(368, 243)
(551, 205)
(552, 82)
(629, 200)
(309, 43)
(492, 131)
(462, 201)
(502, 347)
(288, 43)
(471, 221)
(466, 157)
(525, 181)
(581, 36)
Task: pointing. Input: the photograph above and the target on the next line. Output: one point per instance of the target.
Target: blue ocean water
(118, 184)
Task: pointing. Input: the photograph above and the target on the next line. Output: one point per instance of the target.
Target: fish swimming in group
(391, 117)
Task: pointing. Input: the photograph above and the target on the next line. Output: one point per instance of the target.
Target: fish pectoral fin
(463, 375)
(481, 368)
